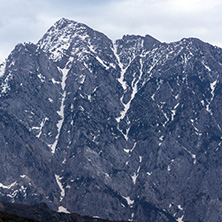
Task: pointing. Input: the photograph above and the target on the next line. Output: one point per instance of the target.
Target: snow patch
(132, 217)
(8, 186)
(121, 79)
(62, 209)
(130, 150)
(39, 128)
(180, 219)
(193, 156)
(41, 77)
(5, 85)
(134, 86)
(179, 207)
(212, 87)
(129, 201)
(174, 111)
(101, 62)
(136, 174)
(127, 151)
(62, 107)
(134, 178)
(54, 81)
(168, 168)
(58, 180)
(2, 68)
(64, 161)
(161, 138)
(82, 79)
(207, 67)
(50, 100)
(24, 176)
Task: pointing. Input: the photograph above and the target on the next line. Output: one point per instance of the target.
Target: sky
(166, 20)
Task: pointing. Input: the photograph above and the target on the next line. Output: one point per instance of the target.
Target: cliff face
(128, 130)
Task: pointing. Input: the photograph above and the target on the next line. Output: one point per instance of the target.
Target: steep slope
(25, 111)
(174, 123)
(128, 130)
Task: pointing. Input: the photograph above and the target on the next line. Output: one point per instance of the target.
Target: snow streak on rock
(58, 180)
(2, 68)
(136, 174)
(212, 87)
(122, 70)
(124, 86)
(62, 209)
(39, 128)
(134, 87)
(62, 107)
(5, 84)
(180, 219)
(8, 186)
(129, 201)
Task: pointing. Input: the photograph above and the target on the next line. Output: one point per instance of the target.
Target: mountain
(124, 130)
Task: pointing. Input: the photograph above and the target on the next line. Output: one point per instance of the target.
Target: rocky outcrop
(39, 212)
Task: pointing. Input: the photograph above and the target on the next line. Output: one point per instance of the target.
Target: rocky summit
(123, 130)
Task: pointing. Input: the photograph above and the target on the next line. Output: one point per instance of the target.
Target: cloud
(167, 20)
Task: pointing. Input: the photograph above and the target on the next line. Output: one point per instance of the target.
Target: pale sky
(166, 20)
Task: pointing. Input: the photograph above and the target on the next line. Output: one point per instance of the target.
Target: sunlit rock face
(124, 130)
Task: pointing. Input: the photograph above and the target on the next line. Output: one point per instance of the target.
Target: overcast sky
(166, 20)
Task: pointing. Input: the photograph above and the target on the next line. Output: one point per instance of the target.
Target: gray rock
(129, 130)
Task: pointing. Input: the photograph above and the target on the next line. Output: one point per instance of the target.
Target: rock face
(124, 130)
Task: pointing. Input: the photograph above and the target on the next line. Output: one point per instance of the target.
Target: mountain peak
(59, 37)
(63, 22)
(70, 38)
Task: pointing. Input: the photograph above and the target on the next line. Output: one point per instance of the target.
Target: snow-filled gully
(134, 86)
(64, 72)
